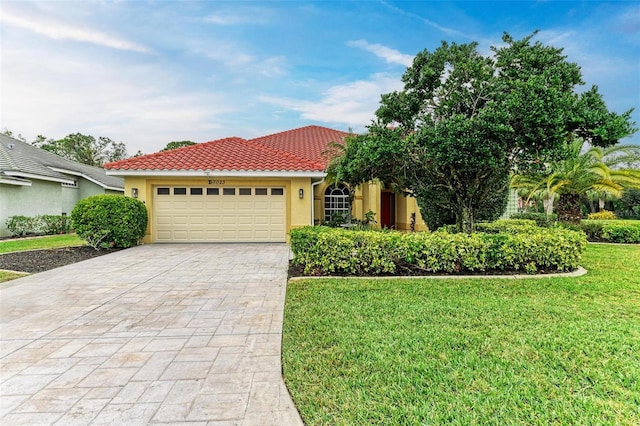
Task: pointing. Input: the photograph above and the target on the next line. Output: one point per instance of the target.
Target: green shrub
(20, 226)
(327, 251)
(507, 225)
(542, 219)
(613, 231)
(621, 233)
(110, 220)
(54, 224)
(602, 215)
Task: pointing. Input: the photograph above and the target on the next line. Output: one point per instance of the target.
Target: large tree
(465, 120)
(84, 149)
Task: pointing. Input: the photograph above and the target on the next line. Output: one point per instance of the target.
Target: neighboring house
(37, 182)
(253, 190)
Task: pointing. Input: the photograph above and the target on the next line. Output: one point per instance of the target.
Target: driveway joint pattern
(156, 334)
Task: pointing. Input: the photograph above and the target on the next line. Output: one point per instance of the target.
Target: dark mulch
(43, 260)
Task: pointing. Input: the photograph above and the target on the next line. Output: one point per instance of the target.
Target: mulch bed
(43, 260)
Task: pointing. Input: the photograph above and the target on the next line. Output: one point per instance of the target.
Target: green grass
(51, 241)
(10, 275)
(496, 351)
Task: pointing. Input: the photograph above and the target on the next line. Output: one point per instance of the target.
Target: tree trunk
(548, 205)
(467, 220)
(569, 209)
(600, 204)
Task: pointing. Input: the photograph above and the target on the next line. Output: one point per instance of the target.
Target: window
(163, 191)
(179, 191)
(245, 191)
(336, 200)
(261, 191)
(228, 191)
(277, 191)
(195, 191)
(213, 191)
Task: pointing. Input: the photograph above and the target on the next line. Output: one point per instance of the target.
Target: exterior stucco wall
(42, 197)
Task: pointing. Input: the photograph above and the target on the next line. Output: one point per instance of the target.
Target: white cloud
(144, 106)
(58, 31)
(353, 104)
(247, 15)
(390, 55)
(231, 56)
(449, 31)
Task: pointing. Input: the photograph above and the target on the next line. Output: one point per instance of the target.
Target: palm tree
(595, 169)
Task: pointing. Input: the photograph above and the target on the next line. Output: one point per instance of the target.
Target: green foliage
(612, 231)
(507, 225)
(597, 173)
(327, 251)
(542, 219)
(20, 226)
(176, 145)
(110, 220)
(602, 215)
(84, 149)
(464, 120)
(628, 206)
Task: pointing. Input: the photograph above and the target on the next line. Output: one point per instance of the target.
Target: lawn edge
(577, 273)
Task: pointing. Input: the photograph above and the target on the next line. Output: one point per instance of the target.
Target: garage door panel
(225, 215)
(229, 220)
(213, 220)
(179, 205)
(196, 220)
(261, 220)
(163, 220)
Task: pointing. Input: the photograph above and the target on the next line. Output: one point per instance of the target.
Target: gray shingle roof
(23, 160)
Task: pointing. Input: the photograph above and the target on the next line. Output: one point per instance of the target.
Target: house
(37, 182)
(252, 190)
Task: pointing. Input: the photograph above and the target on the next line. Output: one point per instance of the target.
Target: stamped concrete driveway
(153, 334)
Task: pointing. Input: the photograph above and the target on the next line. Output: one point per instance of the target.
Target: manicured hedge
(110, 221)
(507, 225)
(19, 226)
(612, 231)
(328, 251)
(542, 219)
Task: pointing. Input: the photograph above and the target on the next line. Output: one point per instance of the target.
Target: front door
(388, 210)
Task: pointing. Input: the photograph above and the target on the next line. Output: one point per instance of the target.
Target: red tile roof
(293, 150)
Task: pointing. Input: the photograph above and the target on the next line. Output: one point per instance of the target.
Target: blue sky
(149, 72)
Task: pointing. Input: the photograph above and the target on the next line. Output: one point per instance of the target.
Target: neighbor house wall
(42, 197)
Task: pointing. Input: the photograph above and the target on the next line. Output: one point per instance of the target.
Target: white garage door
(208, 214)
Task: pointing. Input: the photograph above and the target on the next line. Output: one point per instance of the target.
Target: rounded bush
(110, 220)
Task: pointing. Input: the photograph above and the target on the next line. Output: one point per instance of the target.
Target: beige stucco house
(252, 190)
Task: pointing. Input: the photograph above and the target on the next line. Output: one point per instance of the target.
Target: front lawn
(38, 243)
(484, 351)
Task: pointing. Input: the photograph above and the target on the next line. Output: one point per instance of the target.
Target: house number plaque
(216, 182)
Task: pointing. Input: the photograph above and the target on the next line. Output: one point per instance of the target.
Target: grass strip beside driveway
(553, 350)
(39, 243)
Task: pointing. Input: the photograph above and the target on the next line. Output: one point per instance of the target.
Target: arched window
(336, 200)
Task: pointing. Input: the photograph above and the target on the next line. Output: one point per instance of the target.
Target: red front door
(388, 210)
